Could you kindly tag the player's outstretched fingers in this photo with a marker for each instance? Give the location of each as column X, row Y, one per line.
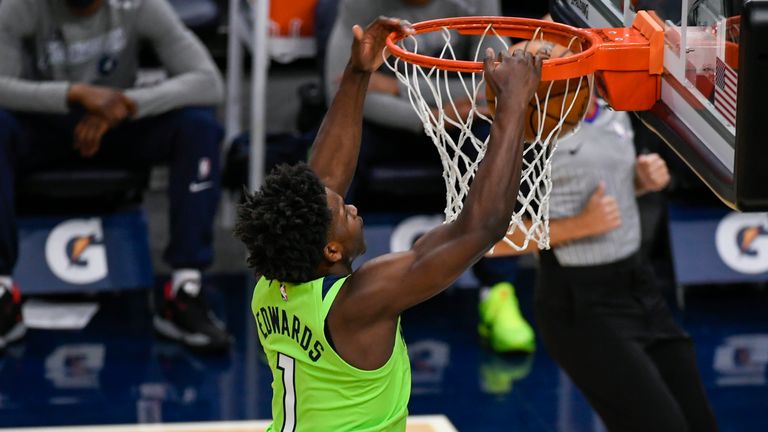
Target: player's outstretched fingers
column 368, row 45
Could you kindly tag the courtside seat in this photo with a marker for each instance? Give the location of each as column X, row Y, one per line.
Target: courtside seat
column 82, row 229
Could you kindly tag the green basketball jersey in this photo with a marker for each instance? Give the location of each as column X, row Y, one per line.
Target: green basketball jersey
column 313, row 389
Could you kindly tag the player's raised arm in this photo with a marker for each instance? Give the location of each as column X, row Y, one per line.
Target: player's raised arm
column 335, row 150
column 395, row 282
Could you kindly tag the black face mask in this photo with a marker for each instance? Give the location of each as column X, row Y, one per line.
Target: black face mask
column 80, row 4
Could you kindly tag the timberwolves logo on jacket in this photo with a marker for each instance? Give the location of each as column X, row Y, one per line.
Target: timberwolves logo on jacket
column 742, row 242
column 75, row 251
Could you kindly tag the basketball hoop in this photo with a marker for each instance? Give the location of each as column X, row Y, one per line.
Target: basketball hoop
column 626, row 61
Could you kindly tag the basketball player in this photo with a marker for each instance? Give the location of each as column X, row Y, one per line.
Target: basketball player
column 332, row 336
column 393, row 135
column 600, row 314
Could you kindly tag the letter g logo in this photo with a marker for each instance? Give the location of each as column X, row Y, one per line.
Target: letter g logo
column 75, row 251
column 742, row 242
column 409, row 230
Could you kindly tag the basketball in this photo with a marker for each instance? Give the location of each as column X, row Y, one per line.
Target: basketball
column 561, row 94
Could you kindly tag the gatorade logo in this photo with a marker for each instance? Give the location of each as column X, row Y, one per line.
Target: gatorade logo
column 742, row 242
column 75, row 251
column 409, row 230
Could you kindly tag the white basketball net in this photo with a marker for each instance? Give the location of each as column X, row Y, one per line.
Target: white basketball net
column 461, row 150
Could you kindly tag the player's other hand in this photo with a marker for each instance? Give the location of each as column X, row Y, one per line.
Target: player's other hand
column 515, row 79
column 110, row 104
column 601, row 214
column 651, row 173
column 368, row 44
column 89, row 133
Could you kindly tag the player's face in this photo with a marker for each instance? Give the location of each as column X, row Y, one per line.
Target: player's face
column 346, row 226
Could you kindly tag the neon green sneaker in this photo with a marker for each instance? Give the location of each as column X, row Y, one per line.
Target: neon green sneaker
column 501, row 323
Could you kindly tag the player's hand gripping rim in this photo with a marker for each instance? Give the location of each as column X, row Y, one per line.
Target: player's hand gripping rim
column 368, row 44
column 514, row 78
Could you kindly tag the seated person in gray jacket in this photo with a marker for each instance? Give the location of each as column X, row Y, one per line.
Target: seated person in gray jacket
column 68, row 98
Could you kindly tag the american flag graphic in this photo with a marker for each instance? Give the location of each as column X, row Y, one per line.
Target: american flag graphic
column 725, row 91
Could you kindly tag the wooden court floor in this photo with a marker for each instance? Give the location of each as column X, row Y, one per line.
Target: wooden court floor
column 436, row 423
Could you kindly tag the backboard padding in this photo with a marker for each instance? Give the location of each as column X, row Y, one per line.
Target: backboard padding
column 715, row 75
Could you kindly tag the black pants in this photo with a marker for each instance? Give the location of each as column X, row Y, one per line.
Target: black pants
column 609, row 328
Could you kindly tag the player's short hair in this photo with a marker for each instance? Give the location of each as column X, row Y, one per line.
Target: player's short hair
column 284, row 225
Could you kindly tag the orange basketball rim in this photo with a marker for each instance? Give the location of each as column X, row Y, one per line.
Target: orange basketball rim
column 628, row 62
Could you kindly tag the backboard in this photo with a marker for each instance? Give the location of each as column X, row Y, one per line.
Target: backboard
column 715, row 78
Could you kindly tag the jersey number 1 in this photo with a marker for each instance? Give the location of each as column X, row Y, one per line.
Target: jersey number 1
column 287, row 365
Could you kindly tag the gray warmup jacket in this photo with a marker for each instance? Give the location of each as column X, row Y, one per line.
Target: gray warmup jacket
column 44, row 48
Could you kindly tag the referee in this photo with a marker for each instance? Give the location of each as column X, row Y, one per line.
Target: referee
column 599, row 312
